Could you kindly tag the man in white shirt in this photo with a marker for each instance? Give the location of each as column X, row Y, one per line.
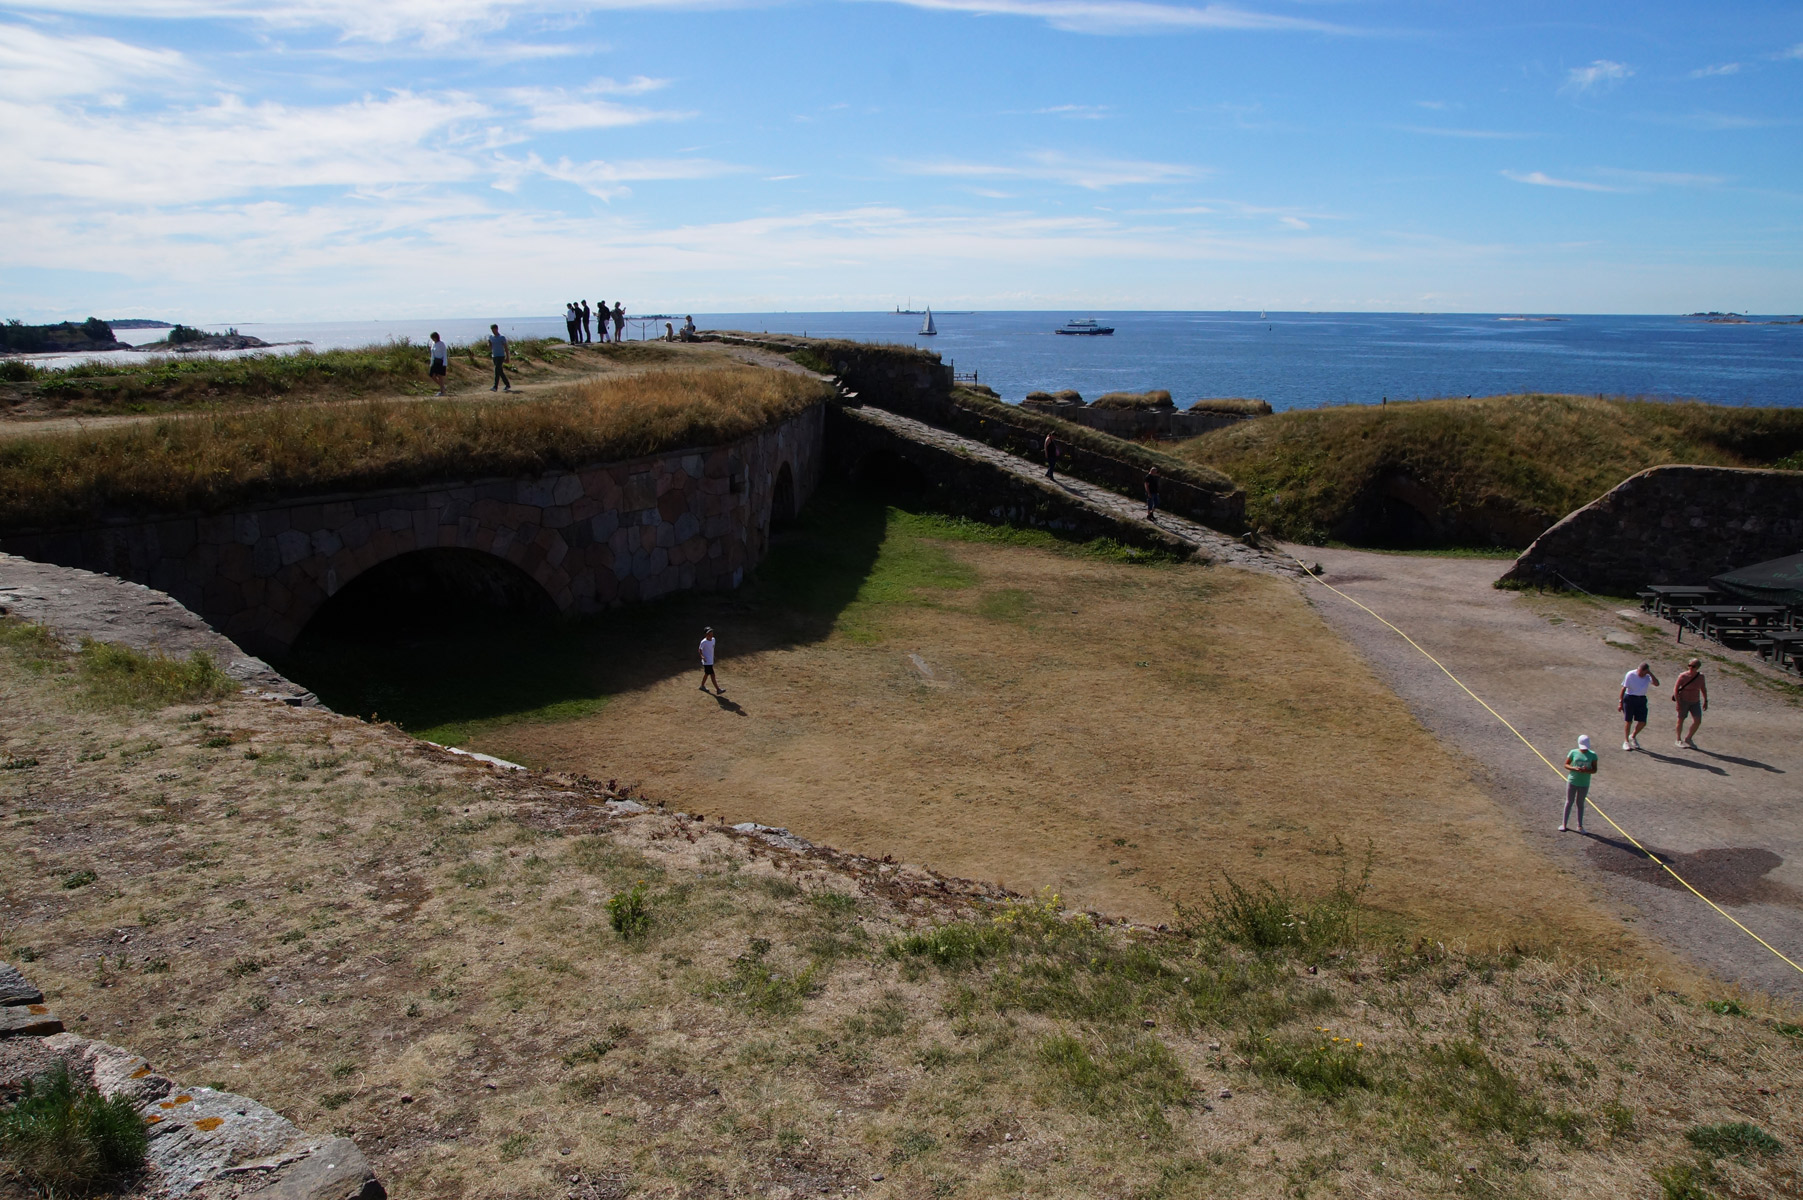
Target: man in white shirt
column 441, row 361
column 1632, row 704
column 707, row 662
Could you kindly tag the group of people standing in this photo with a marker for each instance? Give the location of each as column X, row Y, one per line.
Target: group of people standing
column 1690, row 693
column 577, row 316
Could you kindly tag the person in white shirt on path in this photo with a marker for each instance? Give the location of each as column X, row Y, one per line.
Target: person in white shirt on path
column 1632, row 704
column 441, row 362
column 707, row 662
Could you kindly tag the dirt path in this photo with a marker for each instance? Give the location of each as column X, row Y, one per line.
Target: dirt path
column 569, row 366
column 1725, row 814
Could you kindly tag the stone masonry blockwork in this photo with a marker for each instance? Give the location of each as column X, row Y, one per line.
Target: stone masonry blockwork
column 601, row 535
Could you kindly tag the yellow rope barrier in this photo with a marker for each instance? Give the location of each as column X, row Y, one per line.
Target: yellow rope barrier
column 1555, row 770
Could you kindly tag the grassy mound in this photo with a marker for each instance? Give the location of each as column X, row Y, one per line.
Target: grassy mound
column 1235, row 405
column 126, row 384
column 1154, row 401
column 1069, row 398
column 1491, row 471
column 182, row 464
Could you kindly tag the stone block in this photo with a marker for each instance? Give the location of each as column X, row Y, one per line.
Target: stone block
column 265, row 557
column 339, row 513
column 355, row 533
column 567, row 490
column 687, row 526
column 326, row 543
column 557, row 552
column 556, row 517
column 15, row 988
column 28, row 1020
column 692, row 465
column 292, row 546
column 394, row 519
column 176, row 538
column 538, row 493
column 246, row 529
column 334, row 1171
column 640, row 491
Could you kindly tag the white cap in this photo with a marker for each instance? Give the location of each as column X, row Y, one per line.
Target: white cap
column 1583, row 741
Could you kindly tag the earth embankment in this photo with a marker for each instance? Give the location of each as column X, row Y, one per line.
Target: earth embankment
column 1492, row 471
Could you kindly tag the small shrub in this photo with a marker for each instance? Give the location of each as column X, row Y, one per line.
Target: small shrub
column 336, row 1100
column 1326, row 1065
column 1126, row 1077
column 760, row 987
column 1727, row 1008
column 244, row 967
column 1482, row 1096
column 67, row 1140
column 1682, row 1182
column 1737, row 1140
column 954, row 945
column 1267, row 917
column 629, row 913
column 116, row 674
column 78, row 879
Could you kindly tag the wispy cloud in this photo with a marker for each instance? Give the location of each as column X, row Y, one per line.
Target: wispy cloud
column 1501, row 135
column 36, row 65
column 1795, row 51
column 1130, row 16
column 1598, row 76
column 585, row 108
column 1074, row 112
column 1716, row 69
column 1433, row 105
column 609, row 180
column 1541, row 179
column 1054, row 166
column 1714, row 121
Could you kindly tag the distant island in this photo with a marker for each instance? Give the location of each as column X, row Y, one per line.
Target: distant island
column 185, row 339
column 1728, row 318
column 139, row 323
column 16, row 337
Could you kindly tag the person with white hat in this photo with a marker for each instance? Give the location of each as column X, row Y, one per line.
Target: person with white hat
column 1580, row 767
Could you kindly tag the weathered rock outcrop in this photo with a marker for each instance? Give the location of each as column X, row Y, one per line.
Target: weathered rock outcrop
column 1669, row 525
column 91, row 334
column 204, row 1144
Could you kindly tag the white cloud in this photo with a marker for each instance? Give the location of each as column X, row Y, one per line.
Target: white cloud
column 561, row 109
column 1717, row 69
column 35, row 65
column 1540, row 179
column 1598, row 76
column 608, row 180
column 442, row 22
column 1052, row 166
column 1661, row 178
column 1795, row 51
column 1074, row 112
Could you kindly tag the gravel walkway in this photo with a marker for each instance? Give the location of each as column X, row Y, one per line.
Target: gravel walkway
column 1724, row 815
column 1216, row 547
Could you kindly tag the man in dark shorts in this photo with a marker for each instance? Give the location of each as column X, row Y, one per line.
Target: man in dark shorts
column 1691, row 694
column 1632, row 704
column 1051, row 456
column 707, row 662
column 1152, row 494
column 497, row 350
column 441, row 361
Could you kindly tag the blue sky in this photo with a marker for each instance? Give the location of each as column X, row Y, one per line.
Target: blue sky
column 211, row 160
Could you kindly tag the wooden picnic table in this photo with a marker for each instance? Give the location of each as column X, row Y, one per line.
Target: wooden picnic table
column 1716, row 620
column 1662, row 598
column 1776, row 645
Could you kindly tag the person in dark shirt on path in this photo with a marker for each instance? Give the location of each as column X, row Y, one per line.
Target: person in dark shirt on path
column 583, row 320
column 1051, row 456
column 1152, row 494
column 601, row 315
column 497, row 350
column 619, row 320
column 1690, row 693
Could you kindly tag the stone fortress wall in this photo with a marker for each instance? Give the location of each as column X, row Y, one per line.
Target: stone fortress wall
column 1676, row 524
column 608, row 534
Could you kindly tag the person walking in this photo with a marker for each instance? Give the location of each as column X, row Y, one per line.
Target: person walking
column 497, row 350
column 707, row 662
column 1580, row 768
column 1152, row 494
column 601, row 315
column 619, row 320
column 1632, row 704
column 569, row 321
column 1051, row 456
column 1690, row 692
column 440, row 367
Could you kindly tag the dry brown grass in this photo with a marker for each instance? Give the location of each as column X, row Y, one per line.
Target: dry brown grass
column 1122, row 734
column 181, row 464
column 1135, row 401
column 1231, row 404
column 328, row 918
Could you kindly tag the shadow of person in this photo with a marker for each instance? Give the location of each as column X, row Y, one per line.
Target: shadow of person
column 1744, row 762
column 1682, row 762
column 728, row 705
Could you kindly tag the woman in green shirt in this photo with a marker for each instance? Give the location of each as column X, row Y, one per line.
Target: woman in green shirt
column 1580, row 766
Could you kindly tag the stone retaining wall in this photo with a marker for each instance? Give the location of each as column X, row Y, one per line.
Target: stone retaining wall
column 1166, row 425
column 609, row 534
column 1670, row 525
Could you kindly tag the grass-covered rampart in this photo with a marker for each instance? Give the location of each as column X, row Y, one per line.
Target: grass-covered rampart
column 212, row 462
column 1491, row 471
column 128, row 384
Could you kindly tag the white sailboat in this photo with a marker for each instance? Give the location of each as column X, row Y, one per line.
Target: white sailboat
column 926, row 326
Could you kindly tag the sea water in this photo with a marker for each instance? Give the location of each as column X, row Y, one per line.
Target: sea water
column 1291, row 360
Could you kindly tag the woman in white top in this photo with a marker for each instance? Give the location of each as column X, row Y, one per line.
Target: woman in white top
column 441, row 362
